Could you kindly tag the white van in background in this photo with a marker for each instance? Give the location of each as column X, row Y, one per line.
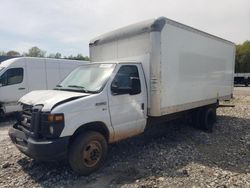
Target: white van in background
column 21, row 75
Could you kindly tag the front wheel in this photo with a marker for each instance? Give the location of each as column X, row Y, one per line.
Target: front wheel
column 87, row 152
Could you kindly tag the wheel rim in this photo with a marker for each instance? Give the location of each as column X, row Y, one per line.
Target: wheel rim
column 92, row 153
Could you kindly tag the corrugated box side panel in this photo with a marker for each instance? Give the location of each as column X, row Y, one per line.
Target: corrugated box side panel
column 195, row 69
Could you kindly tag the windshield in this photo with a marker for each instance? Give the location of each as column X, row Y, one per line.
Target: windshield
column 88, row 78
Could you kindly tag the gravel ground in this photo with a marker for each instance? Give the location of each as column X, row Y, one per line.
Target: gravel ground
column 172, row 155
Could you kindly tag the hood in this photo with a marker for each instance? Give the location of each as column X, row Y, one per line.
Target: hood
column 49, row 98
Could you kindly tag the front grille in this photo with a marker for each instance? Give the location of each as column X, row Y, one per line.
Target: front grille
column 27, row 109
column 30, row 119
column 26, row 116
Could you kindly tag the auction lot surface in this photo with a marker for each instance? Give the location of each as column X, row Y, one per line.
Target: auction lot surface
column 171, row 155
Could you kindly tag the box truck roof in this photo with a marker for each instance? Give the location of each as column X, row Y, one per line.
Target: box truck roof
column 145, row 27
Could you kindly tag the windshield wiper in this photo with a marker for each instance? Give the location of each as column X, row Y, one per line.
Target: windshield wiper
column 80, row 87
column 76, row 86
column 58, row 87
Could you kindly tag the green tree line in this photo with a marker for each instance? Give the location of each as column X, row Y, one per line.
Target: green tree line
column 37, row 52
column 242, row 56
column 242, row 59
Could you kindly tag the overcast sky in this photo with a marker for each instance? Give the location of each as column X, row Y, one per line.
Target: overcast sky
column 66, row 26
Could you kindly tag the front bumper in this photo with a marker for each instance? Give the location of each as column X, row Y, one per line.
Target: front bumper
column 44, row 150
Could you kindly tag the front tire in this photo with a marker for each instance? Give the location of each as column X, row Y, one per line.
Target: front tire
column 87, row 152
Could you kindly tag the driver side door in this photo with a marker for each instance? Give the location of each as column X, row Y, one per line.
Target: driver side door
column 127, row 111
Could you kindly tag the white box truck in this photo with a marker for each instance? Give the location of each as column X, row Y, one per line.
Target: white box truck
column 141, row 74
column 21, row 75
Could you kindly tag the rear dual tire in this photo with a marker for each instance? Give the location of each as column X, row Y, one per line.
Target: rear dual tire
column 208, row 119
column 204, row 118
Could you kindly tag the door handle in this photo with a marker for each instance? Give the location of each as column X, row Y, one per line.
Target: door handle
column 100, row 103
column 142, row 106
column 21, row 88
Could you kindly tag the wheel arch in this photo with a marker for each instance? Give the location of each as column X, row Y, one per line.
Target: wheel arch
column 97, row 126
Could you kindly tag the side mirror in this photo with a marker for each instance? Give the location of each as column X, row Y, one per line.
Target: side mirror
column 119, row 90
column 135, row 86
column 134, row 89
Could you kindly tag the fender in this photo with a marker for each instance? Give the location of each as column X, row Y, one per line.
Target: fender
column 93, row 126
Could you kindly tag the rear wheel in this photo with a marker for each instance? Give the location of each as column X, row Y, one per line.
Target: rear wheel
column 196, row 116
column 87, row 152
column 208, row 119
column 204, row 118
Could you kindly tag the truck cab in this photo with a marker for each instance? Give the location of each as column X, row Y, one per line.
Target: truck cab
column 97, row 104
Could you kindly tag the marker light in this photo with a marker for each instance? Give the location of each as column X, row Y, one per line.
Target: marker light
column 55, row 117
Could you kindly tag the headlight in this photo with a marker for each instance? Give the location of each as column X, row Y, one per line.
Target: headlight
column 52, row 125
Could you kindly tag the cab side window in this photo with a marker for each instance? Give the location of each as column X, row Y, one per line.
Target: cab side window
column 12, row 76
column 123, row 78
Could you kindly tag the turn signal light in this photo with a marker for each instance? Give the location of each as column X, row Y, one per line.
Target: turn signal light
column 55, row 117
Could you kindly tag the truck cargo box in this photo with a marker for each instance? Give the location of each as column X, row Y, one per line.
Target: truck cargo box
column 185, row 68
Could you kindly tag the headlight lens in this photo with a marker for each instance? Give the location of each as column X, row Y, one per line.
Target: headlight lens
column 52, row 125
